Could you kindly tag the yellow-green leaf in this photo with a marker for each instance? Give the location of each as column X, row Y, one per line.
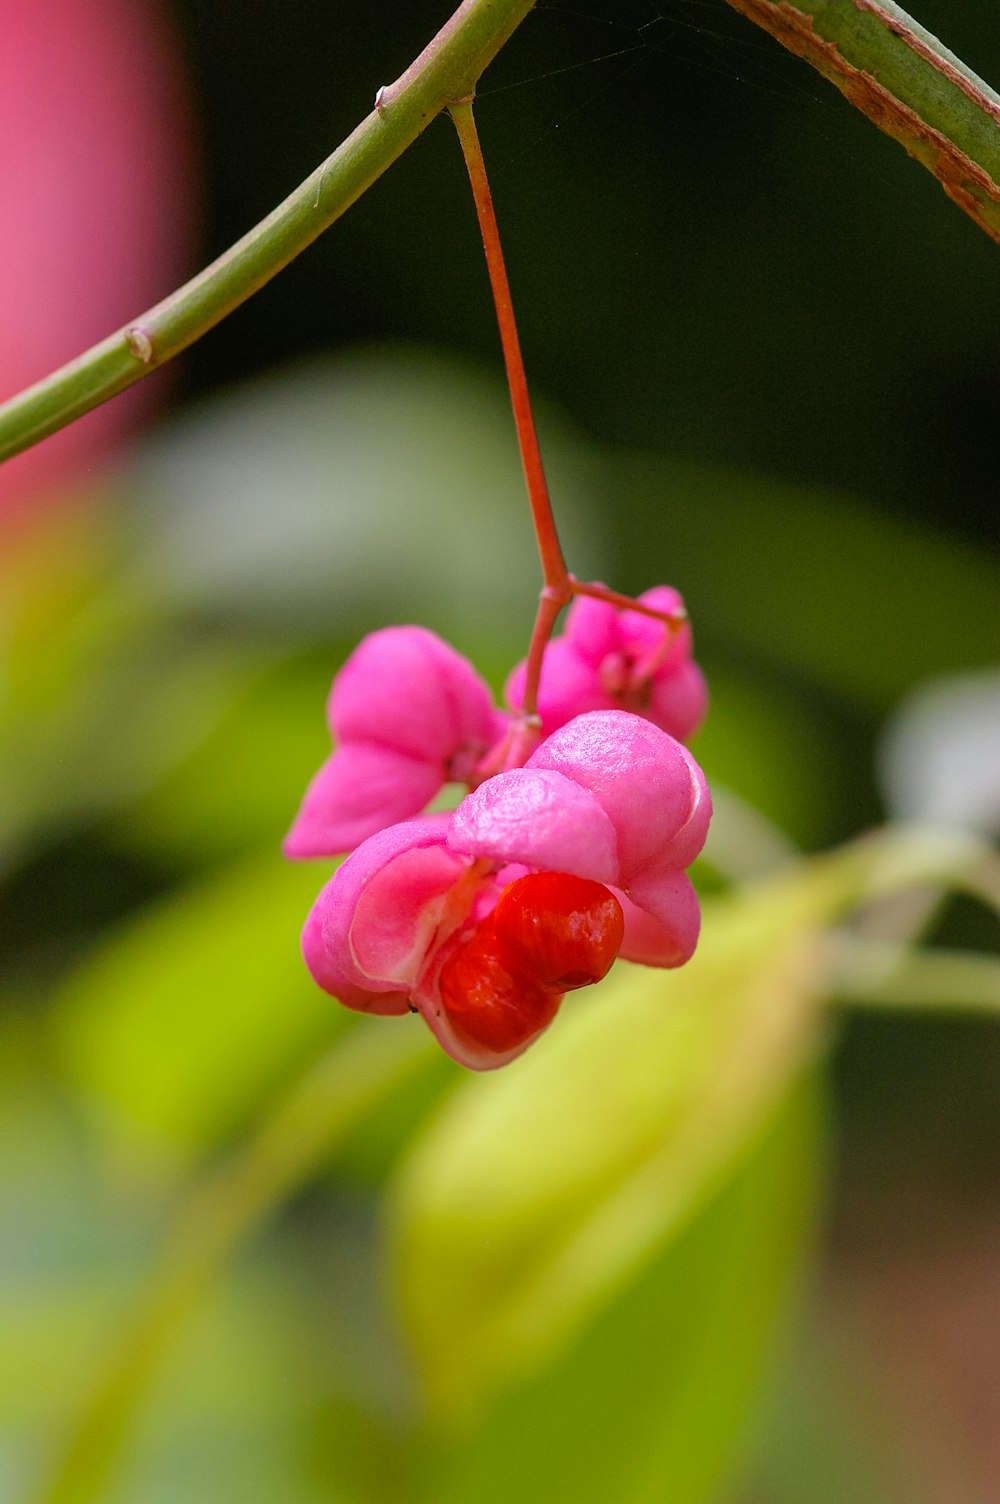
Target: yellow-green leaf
column 541, row 1190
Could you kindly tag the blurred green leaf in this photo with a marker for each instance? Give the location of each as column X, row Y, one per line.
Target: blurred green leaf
column 813, row 580
column 888, row 974
column 777, row 752
column 100, row 697
column 652, row 1399
column 539, row 1192
column 239, row 787
column 824, row 1439
column 383, row 481
column 49, row 580
column 179, row 1024
column 222, row 1207
column 540, row 1198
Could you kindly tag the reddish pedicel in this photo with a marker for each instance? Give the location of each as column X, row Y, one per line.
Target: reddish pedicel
column 549, row 933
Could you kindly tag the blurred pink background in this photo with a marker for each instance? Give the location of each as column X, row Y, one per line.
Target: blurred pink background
column 96, row 182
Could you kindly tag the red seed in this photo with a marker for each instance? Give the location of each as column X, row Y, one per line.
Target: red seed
column 488, row 998
column 563, row 931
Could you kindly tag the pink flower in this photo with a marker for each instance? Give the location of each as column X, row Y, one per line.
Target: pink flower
column 409, row 714
column 608, row 657
column 482, row 920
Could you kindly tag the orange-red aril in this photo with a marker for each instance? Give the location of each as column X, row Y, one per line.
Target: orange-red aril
column 548, row 934
column 565, row 931
column 490, row 1001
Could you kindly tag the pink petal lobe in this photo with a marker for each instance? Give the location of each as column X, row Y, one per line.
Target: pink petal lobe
column 359, row 790
column 650, row 787
column 592, row 626
column 399, row 911
column 687, row 843
column 334, row 978
column 666, row 940
column 646, row 633
column 663, row 919
column 679, row 701
column 405, row 688
column 540, row 818
column 326, row 939
column 569, row 686
column 513, row 690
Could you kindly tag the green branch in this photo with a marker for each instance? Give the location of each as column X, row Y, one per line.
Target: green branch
column 883, row 974
column 883, row 61
column 905, row 81
column 448, row 69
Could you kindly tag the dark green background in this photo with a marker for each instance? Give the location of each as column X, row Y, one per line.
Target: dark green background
column 712, row 254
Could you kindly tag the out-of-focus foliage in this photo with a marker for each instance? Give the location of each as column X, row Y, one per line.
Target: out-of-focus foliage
column 939, row 761
column 647, row 1397
column 184, row 1021
column 319, row 496
column 542, row 1192
column 761, row 336
column 634, row 1187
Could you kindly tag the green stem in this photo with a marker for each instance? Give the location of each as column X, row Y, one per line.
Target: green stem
column 904, row 80
column 879, row 57
column 447, row 69
column 881, row 974
column 220, row 1211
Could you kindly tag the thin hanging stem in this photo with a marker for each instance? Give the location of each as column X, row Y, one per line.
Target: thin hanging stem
column 550, row 551
column 557, row 590
column 559, row 586
column 879, row 57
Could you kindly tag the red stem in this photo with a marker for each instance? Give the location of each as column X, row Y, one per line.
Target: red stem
column 558, row 589
column 560, row 586
column 553, row 564
column 674, row 620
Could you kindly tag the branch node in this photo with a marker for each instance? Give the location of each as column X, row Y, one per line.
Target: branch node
column 140, row 342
